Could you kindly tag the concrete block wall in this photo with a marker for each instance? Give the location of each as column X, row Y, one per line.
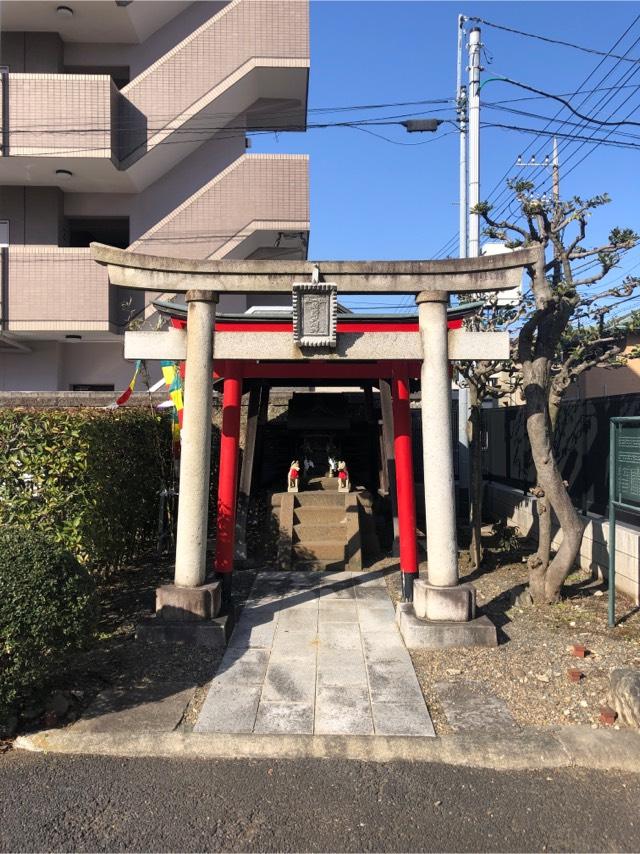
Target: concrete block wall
column 505, row 502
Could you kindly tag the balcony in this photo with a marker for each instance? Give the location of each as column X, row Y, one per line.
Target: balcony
column 52, row 289
column 55, row 121
column 258, row 206
column 247, row 66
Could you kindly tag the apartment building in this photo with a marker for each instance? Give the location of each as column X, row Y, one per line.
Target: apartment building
column 126, row 122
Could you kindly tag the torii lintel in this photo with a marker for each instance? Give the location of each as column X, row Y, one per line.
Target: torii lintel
column 179, row 275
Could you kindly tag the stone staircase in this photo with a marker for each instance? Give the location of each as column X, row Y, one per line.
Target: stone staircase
column 319, row 528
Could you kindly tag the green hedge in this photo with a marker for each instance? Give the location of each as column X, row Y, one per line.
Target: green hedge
column 90, row 479
column 47, row 610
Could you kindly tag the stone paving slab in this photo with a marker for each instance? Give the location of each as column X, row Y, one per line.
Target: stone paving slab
column 470, row 707
column 316, row 654
column 154, row 708
column 411, row 718
column 229, row 708
column 286, row 718
column 343, row 710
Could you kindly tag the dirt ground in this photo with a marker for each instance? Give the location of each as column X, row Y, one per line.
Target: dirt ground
column 528, row 670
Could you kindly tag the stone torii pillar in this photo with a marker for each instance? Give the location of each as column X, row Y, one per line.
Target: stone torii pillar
column 441, row 597
column 443, row 611
column 189, row 600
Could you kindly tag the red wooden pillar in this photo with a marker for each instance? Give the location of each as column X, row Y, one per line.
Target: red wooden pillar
column 404, row 479
column 228, row 476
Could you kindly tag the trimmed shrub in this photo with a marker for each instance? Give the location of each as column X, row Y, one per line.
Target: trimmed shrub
column 89, row 478
column 48, row 607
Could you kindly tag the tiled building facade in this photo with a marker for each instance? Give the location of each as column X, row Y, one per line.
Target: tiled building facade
column 126, row 123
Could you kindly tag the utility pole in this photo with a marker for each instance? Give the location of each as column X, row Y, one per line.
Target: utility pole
column 473, row 414
column 461, row 103
column 463, row 390
column 474, row 140
column 555, row 169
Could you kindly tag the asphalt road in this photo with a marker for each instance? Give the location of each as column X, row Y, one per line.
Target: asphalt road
column 66, row 803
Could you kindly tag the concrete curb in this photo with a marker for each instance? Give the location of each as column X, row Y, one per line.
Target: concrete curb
column 562, row 747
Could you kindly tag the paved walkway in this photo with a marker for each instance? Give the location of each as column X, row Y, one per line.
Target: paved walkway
column 316, row 653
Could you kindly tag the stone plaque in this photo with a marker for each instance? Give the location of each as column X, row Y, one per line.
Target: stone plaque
column 314, row 314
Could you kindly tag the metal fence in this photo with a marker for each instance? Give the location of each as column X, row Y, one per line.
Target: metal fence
column 581, row 444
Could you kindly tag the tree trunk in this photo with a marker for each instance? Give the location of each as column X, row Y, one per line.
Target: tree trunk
column 545, row 582
column 475, row 466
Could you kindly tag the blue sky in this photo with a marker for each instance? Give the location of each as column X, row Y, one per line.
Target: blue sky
column 379, row 200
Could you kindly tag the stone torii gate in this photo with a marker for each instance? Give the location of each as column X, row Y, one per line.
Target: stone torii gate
column 443, row 610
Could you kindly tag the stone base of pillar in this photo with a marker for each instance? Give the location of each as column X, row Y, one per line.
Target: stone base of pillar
column 444, row 604
column 188, row 604
column 213, row 634
column 188, row 615
column 424, row 634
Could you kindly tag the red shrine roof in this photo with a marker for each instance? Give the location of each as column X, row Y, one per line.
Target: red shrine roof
column 279, row 321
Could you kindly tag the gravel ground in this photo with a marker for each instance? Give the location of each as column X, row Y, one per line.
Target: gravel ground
column 528, row 670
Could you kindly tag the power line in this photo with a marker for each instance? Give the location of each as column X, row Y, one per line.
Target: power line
column 551, row 40
column 583, row 101
column 601, row 141
column 627, row 75
column 588, row 119
column 500, row 183
column 551, row 133
column 548, row 119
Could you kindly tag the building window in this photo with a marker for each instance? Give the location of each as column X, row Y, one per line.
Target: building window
column 91, row 387
column 118, row 73
column 112, row 230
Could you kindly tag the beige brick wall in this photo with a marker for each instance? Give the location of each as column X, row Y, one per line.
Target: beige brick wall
column 56, row 289
column 54, row 115
column 243, row 30
column 63, row 289
column 267, row 188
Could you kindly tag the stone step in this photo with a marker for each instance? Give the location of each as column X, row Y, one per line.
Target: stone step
column 319, row 531
column 320, row 498
column 321, row 483
column 313, row 515
column 319, row 550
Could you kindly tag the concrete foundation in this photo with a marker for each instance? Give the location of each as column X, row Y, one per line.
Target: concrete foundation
column 188, row 604
column 214, row 633
column 422, row 634
column 444, row 604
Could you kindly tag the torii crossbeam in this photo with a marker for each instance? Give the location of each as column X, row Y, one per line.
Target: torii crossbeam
column 443, row 611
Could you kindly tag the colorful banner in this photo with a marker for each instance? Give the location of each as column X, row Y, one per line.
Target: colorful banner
column 174, row 384
column 126, row 394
